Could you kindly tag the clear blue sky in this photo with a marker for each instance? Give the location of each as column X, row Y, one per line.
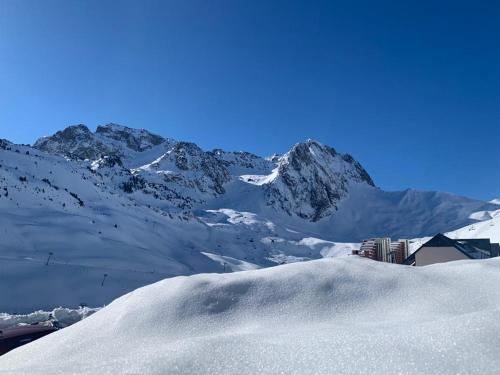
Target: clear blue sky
column 409, row 88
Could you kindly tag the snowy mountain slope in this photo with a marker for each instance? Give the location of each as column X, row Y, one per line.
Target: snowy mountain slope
column 187, row 163
column 308, row 181
column 142, row 208
column 332, row 316
column 74, row 211
column 179, row 174
column 311, row 181
column 370, row 212
column 65, row 209
column 489, row 228
column 365, row 212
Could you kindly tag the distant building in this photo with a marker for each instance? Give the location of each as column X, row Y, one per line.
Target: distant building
column 441, row 249
column 384, row 250
column 399, row 251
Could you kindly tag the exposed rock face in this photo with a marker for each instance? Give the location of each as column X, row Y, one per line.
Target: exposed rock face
column 135, row 139
column 204, row 162
column 361, row 172
column 107, row 162
column 78, row 142
column 240, row 162
column 74, row 142
column 309, row 181
column 4, row 144
column 188, row 163
column 312, row 178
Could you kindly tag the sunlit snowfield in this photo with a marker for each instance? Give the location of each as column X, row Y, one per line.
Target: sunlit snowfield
column 331, row 316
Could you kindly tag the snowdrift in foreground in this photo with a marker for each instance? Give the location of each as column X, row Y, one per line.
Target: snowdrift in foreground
column 330, row 316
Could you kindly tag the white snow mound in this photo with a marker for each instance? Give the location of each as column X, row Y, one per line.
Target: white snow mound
column 332, row 316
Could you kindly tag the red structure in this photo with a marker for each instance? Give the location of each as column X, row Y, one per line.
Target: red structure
column 12, row 338
column 400, row 251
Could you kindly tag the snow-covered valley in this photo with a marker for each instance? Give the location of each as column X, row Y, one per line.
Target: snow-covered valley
column 89, row 216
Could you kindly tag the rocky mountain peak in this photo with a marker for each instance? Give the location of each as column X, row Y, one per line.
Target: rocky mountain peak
column 308, row 181
column 242, row 162
column 69, row 134
column 76, row 142
column 135, row 139
column 189, row 157
column 305, row 153
column 4, row 144
column 312, row 178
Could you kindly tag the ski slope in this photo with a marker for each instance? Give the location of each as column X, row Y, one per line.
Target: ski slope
column 333, row 316
column 489, row 227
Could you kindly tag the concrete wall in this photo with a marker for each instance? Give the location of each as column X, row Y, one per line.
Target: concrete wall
column 431, row 255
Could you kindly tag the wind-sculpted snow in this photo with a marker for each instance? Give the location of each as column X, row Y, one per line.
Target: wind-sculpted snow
column 332, row 316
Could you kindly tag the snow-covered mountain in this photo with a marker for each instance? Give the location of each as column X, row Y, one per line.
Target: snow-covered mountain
column 78, row 142
column 309, row 181
column 137, row 207
column 312, row 182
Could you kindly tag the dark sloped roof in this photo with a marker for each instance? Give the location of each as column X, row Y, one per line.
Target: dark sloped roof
column 472, row 248
column 472, row 251
column 480, row 243
column 495, row 250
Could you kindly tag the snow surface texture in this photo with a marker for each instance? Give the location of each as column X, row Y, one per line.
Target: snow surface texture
column 88, row 216
column 332, row 316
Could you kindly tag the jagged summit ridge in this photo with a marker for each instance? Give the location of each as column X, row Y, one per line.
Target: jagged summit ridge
column 80, row 143
column 312, row 178
column 75, row 142
column 188, row 163
column 135, row 139
column 309, row 181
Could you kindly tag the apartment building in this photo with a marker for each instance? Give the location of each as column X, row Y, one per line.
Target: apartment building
column 384, row 250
